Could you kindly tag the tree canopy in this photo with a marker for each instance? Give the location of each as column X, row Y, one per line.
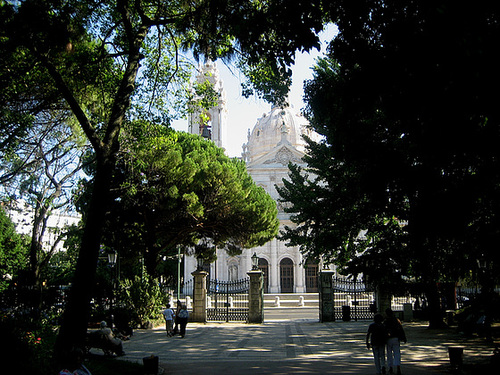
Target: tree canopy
column 404, row 100
column 174, row 188
column 40, row 174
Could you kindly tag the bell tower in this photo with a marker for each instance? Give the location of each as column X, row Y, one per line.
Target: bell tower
column 210, row 123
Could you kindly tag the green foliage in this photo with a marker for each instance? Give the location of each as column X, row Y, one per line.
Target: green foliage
column 25, row 336
column 37, row 178
column 143, row 297
column 13, row 251
column 262, row 35
column 176, row 188
column 163, row 92
column 266, row 81
column 203, row 96
column 60, row 269
column 90, row 59
column 410, row 136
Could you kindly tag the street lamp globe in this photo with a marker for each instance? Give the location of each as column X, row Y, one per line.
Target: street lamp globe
column 255, row 262
column 112, row 257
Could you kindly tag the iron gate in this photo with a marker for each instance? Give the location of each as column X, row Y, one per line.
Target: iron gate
column 352, row 299
column 228, row 300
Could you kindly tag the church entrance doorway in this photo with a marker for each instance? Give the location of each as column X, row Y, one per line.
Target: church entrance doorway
column 286, row 275
column 264, row 267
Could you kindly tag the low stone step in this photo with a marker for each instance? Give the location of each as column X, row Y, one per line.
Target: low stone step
column 291, row 306
column 290, row 296
column 291, row 300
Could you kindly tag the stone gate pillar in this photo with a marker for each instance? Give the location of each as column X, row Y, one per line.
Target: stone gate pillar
column 326, row 297
column 256, row 297
column 199, row 313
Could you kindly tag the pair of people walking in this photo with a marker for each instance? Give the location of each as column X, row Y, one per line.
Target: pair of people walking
column 386, row 335
column 180, row 317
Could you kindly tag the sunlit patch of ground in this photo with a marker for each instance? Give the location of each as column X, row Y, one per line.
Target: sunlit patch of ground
column 293, row 346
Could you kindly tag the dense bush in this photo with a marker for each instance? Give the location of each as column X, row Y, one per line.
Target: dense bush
column 27, row 341
column 143, row 298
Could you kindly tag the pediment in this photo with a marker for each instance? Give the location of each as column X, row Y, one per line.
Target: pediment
column 281, row 155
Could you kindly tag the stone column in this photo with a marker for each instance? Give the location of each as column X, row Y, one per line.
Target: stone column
column 256, row 297
column 199, row 313
column 273, row 267
column 300, row 277
column 326, row 300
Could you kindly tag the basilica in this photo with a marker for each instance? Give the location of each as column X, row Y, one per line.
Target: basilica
column 274, row 141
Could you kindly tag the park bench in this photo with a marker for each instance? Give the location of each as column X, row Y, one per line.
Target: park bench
column 98, row 340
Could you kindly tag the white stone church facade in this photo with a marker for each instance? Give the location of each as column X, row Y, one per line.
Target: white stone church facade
column 275, row 140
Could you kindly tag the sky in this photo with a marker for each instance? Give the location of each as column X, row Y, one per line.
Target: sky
column 243, row 113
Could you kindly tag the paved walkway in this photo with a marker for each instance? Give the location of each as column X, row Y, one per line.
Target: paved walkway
column 293, row 346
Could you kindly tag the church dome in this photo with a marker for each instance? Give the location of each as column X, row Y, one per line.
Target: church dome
column 278, row 127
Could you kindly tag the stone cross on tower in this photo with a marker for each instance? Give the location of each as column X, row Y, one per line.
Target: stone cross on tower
column 210, row 123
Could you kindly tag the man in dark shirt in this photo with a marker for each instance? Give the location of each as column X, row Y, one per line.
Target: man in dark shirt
column 376, row 339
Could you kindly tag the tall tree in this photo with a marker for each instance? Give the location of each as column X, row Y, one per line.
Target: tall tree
column 39, row 175
column 84, row 45
column 403, row 100
column 177, row 188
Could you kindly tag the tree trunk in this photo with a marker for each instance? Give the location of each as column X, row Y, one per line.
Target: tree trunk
column 39, row 226
column 77, row 312
column 434, row 306
column 424, row 241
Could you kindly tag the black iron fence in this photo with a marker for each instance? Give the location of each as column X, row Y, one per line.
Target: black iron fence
column 353, row 300
column 186, row 289
column 228, row 300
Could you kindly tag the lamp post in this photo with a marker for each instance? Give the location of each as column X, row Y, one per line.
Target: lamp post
column 487, row 289
column 179, row 259
column 112, row 256
column 199, row 262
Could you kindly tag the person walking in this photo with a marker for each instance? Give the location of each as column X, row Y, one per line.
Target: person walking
column 168, row 313
column 376, row 339
column 396, row 335
column 176, row 320
column 183, row 319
